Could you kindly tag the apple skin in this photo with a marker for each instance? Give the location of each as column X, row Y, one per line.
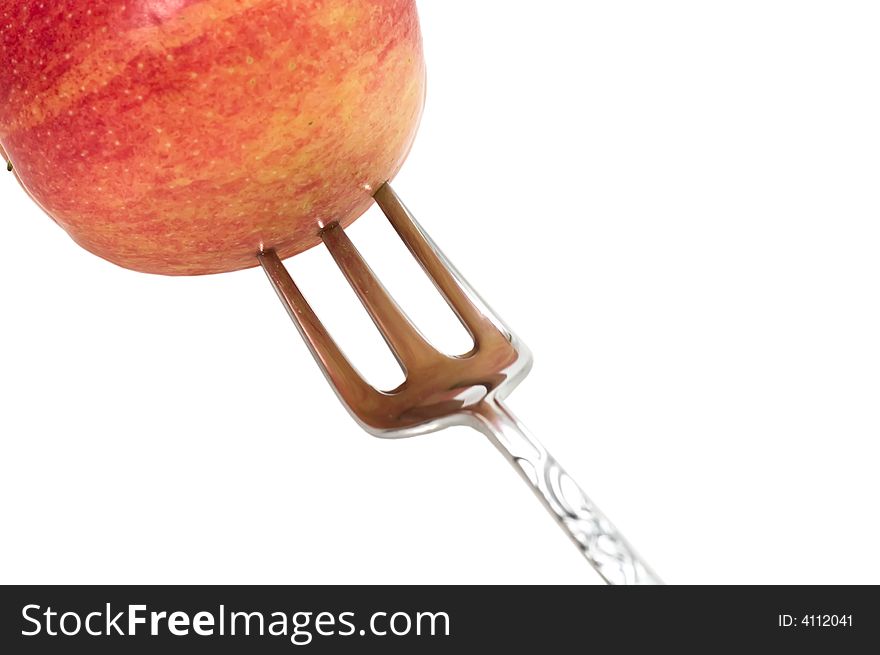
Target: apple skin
column 181, row 137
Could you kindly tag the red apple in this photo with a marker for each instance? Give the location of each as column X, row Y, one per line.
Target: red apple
column 183, row 136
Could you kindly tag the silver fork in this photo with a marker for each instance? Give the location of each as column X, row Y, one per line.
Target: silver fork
column 442, row 390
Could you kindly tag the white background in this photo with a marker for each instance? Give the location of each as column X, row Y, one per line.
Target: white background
column 675, row 205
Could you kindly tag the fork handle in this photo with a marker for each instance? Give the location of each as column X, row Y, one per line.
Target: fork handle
column 593, row 534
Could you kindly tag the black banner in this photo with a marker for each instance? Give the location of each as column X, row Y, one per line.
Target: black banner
column 432, row 619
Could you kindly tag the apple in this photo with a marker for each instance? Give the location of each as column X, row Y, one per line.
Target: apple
column 182, row 137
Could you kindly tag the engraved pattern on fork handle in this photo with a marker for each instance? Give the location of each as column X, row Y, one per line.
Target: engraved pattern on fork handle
column 595, row 536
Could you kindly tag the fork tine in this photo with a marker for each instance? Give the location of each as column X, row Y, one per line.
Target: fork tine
column 406, row 342
column 344, row 378
column 470, row 308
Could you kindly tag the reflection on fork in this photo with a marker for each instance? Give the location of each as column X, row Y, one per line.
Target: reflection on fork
column 442, row 390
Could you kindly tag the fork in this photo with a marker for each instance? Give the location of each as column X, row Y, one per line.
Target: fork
column 441, row 390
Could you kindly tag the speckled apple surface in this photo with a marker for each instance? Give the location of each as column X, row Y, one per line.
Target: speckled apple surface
column 182, row 136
